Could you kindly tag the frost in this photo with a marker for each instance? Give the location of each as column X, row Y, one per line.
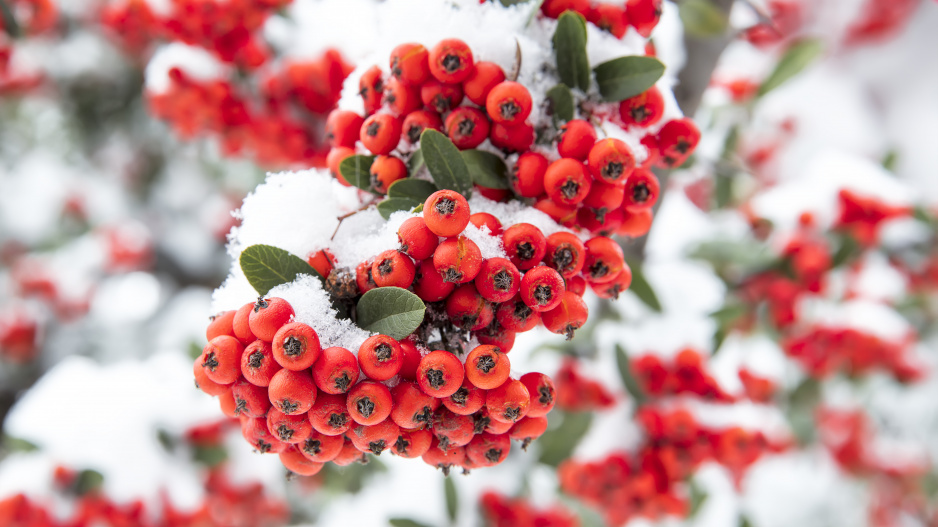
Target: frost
column 312, row 306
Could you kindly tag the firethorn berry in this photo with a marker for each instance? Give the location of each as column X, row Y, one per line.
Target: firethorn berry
column 321, row 261
column 568, row 316
column 577, row 138
column 509, row 402
column 459, row 260
column 369, row 402
column 349, row 454
column 515, row 315
column 381, row 133
column 467, row 400
column 412, row 443
column 375, row 438
column 443, row 459
column 528, row 429
column 466, row 308
column 498, row 280
column 609, row 17
column 418, row 121
column 240, row 325
column 542, row 391
column 441, row 97
column 604, row 197
column 384, row 171
column 635, row 223
column 565, row 253
column 335, row 158
column 440, row 374
column 600, row 221
column 496, row 335
column 329, row 415
column 567, row 182
column 293, row 459
column 410, row 64
column 542, row 289
column 527, row 176
column 220, row 324
column 205, row 384
column 343, row 127
column 371, row 89
column 555, row 8
column 451, row 429
column 221, row 359
column 400, row 98
column 645, row 109
column 525, row 245
column 451, row 61
column 487, row 450
column 320, row 447
column 292, row 392
column 565, row 215
column 641, row 190
column 604, row 260
column 676, row 140
column 364, row 278
column 429, row 283
column 446, row 213
column 484, row 423
column 380, row 357
column 336, row 370
column 268, row 315
column 288, row 428
column 249, row 400
column 494, row 194
column 226, row 402
column 255, row 432
column 576, row 285
column 484, row 77
column 508, row 103
column 487, row 367
column 393, row 269
column 643, row 15
column 410, row 360
column 296, row 346
column 613, row 289
column 484, row 219
column 412, row 408
column 611, row 161
column 512, row 138
column 466, row 127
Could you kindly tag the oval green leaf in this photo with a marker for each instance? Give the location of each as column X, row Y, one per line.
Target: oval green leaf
column 569, row 40
column 417, row 189
column 486, row 169
column 558, row 444
column 795, row 59
column 446, row 165
column 8, row 20
column 266, row 267
column 357, row 171
column 392, row 205
column 628, row 380
column 642, row 288
column 405, row 522
column 626, row 77
column 415, row 163
column 701, row 18
column 390, row 311
column 561, row 102
column 452, row 499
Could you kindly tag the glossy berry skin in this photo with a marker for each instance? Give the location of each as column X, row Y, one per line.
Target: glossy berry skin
column 603, row 197
column 336, row 370
column 676, row 140
column 484, row 219
column 412, row 408
column 635, row 223
column 643, row 110
column 380, row 133
column 220, row 324
column 604, row 260
column 292, row 392
column 466, row 308
column 512, row 138
column 467, row 400
column 384, row 171
column 611, row 161
column 296, row 346
column 509, row 402
column 446, row 213
column 565, row 253
column 417, row 121
column 329, row 415
column 555, row 8
column 643, row 15
column 320, row 447
column 487, row 367
column 440, row 97
column 577, row 138
column 250, row 400
column 288, row 428
column 568, row 316
column 451, row 61
column 466, row 127
column 525, row 245
column 487, row 450
column 380, row 357
column 343, row 128
column 527, row 176
column 440, row 374
column 295, row 462
column 221, row 359
column 375, row 438
column 412, row 443
column 411, row 359
column 567, row 182
column 498, row 280
column 268, row 315
column 542, row 288
column 616, row 286
column 577, row 285
column 393, row 269
column 641, row 191
column 458, row 260
column 484, row 77
column 240, row 325
column 515, row 315
column 256, row 434
column 508, row 103
column 369, row 402
column 528, row 429
column 543, row 393
column 565, row 215
column 371, row 89
column 322, row 261
column 401, row 99
column 334, row 160
column 429, row 284
column 417, row 240
column 363, row 277
column 410, row 64
column 609, row 17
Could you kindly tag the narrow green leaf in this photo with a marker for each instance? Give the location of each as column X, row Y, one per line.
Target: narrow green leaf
column 210, row 456
column 405, row 522
column 628, row 380
column 744, row 521
column 703, row 19
column 558, row 444
column 570, row 50
column 561, row 102
column 10, row 24
column 88, row 481
column 357, row 171
column 390, row 311
column 890, row 159
column 796, row 58
column 392, row 205
column 417, row 189
column 15, row 444
column 446, row 165
column 415, row 163
column 642, row 289
column 535, row 10
column 452, row 499
column 697, row 499
column 486, row 169
column 266, row 267
column 626, row 77
column 507, row 3
column 848, row 250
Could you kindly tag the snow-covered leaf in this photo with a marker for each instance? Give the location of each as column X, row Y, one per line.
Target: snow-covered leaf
column 390, row 311
column 626, row 77
column 392, row 205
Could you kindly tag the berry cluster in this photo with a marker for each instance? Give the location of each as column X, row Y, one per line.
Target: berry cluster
column 312, row 405
column 685, row 374
column 577, row 392
column 501, row 511
column 643, row 15
column 824, row 350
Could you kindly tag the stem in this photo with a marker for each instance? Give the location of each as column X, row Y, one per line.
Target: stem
column 349, row 215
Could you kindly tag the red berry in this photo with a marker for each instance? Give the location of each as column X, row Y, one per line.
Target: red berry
column 487, row 450
column 296, row 346
column 336, row 370
column 484, row 219
column 380, row 357
column 528, row 429
column 609, row 17
column 512, row 138
column 459, row 260
column 643, row 110
column 515, row 315
column 525, row 245
column 641, row 190
column 446, row 213
column 555, row 8
column 363, row 277
column 603, row 197
column 467, row 127
column 380, row 133
column 267, row 317
column 205, row 384
column 250, row 400
column 240, row 325
column 480, row 82
column 393, row 269
column 452, row 430
column 466, row 308
column 411, row 359
column 429, row 284
column 321, row 261
column 498, row 280
column 567, row 182
column 369, row 402
column 417, row 239
column 565, row 215
column 288, row 428
column 643, row 15
column 320, row 447
column 612, row 161
column 221, row 359
column 542, row 288
column 418, row 121
column 410, row 64
column 220, row 324
column 466, row 400
column 576, row 285
column 614, row 288
column 487, row 367
column 349, row 454
column 508, row 103
column 568, row 316
column 384, row 171
column 509, row 402
column 371, row 89
column 440, row 374
column 451, row 61
column 335, row 158
column 565, row 253
column 256, row 434
column 375, row 438
column 676, row 140
column 542, row 391
column 400, row 98
column 329, row 414
column 604, row 260
column 527, row 177
column 444, row 459
column 496, row 335
column 635, row 223
column 412, row 407
column 412, row 443
column 441, row 97
column 292, row 392
column 293, row 459
column 343, row 128
column 577, row 138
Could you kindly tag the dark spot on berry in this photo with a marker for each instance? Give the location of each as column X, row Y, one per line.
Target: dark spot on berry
column 525, row 251
column 342, row 382
column 682, row 146
column 570, row 189
column 614, row 290
column 288, row 407
column 452, row 275
column 260, row 304
column 210, row 361
column 263, row 446
column 284, row 432
column 508, row 109
column 640, row 193
column 256, row 359
column 485, row 363
column 386, row 267
column 312, row 446
column 444, row 442
column 546, row 395
column 372, row 129
column 563, row 258
column 465, row 127
column 445, row 206
column 401, row 445
column 451, row 63
column 461, row 396
column 543, row 294
column 512, row 413
column 365, row 407
column 599, row 269
column 503, row 280
column 493, row 454
column 480, row 422
column 240, row 405
column 468, row 321
column 389, row 97
column 423, row 416
column 292, row 346
column 376, row 447
column 441, row 104
column 522, row 311
column 435, row 378
column 396, row 68
column 612, row 170
column 413, row 133
column 639, row 113
column 338, row 420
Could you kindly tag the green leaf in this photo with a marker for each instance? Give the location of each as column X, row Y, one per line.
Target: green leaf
column 266, row 267
column 415, row 163
column 641, row 288
column 558, row 444
column 703, row 19
column 392, row 205
column 15, row 444
column 796, row 58
column 697, row 499
column 357, row 171
column 416, row 189
column 452, row 499
column 486, row 169
column 890, row 159
column 390, row 311
column 405, row 522
column 507, row 3
column 570, row 50
column 88, row 481
column 744, row 521
column 628, row 380
column 561, row 102
column 802, row 404
column 10, row 24
column 848, row 250
column 210, row 456
column 447, row 167
column 626, row 77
